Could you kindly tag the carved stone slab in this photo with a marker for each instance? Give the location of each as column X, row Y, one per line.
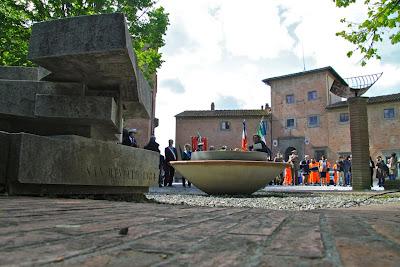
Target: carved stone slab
column 77, row 161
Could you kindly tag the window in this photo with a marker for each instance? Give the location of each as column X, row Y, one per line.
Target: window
column 344, row 117
column 312, row 95
column 225, row 125
column 313, row 121
column 289, row 99
column 290, row 123
column 388, row 113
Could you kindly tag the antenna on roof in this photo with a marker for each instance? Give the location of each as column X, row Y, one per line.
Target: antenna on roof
column 304, row 63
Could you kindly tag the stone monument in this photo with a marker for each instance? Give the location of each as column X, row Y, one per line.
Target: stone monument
column 361, row 177
column 60, row 123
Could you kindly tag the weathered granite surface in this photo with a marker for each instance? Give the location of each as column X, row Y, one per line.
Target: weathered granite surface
column 22, row 73
column 95, row 50
column 76, row 109
column 46, row 108
column 87, row 82
column 4, row 151
column 19, row 73
column 74, row 160
column 17, row 98
column 72, row 232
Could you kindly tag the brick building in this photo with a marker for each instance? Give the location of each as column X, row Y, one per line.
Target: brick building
column 308, row 117
column 304, row 115
column 220, row 127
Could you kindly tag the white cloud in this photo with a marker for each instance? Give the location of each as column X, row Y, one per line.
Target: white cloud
column 224, row 48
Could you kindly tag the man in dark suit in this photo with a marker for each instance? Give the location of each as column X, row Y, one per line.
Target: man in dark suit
column 259, row 145
column 170, row 155
column 130, row 140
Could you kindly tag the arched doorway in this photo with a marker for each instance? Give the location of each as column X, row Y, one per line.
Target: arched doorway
column 288, row 152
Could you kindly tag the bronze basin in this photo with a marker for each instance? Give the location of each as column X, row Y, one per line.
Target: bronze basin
column 232, row 177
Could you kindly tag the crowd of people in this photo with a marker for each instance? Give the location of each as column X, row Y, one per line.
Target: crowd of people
column 311, row 171
column 306, row 171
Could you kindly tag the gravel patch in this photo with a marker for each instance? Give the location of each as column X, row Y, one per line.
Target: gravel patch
column 272, row 200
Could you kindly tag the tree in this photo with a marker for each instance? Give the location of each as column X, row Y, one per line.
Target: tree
column 147, row 25
column 383, row 19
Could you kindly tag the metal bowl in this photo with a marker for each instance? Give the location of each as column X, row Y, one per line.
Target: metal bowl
column 232, row 177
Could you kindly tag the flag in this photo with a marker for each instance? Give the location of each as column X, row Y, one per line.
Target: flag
column 262, row 129
column 199, row 138
column 244, row 137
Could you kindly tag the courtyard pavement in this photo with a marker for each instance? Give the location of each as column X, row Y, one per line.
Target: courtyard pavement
column 178, row 188
column 81, row 232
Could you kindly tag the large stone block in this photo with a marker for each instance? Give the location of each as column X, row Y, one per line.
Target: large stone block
column 18, row 73
column 22, row 73
column 96, row 50
column 17, row 98
column 90, row 110
column 49, row 108
column 68, row 163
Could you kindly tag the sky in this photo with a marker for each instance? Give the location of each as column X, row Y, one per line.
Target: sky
column 220, row 50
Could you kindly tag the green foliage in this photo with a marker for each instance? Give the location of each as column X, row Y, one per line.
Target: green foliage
column 383, row 19
column 147, row 24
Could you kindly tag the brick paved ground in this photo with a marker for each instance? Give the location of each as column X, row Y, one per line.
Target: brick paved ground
column 71, row 232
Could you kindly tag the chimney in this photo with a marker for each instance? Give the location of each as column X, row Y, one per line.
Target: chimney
column 212, row 106
column 262, row 107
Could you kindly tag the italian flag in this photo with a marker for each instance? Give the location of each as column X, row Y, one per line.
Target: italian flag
column 244, row 137
column 262, row 130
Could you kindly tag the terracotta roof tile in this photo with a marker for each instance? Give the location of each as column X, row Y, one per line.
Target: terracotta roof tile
column 224, row 113
column 371, row 100
column 329, row 68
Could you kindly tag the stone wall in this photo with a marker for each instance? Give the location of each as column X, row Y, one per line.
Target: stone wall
column 384, row 134
column 299, row 86
column 332, row 135
column 339, row 137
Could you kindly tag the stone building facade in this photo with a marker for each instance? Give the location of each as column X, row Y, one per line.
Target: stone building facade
column 220, row 127
column 307, row 117
column 304, row 115
column 383, row 126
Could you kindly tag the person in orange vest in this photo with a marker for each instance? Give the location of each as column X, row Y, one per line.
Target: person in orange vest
column 288, row 176
column 313, row 172
column 335, row 174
